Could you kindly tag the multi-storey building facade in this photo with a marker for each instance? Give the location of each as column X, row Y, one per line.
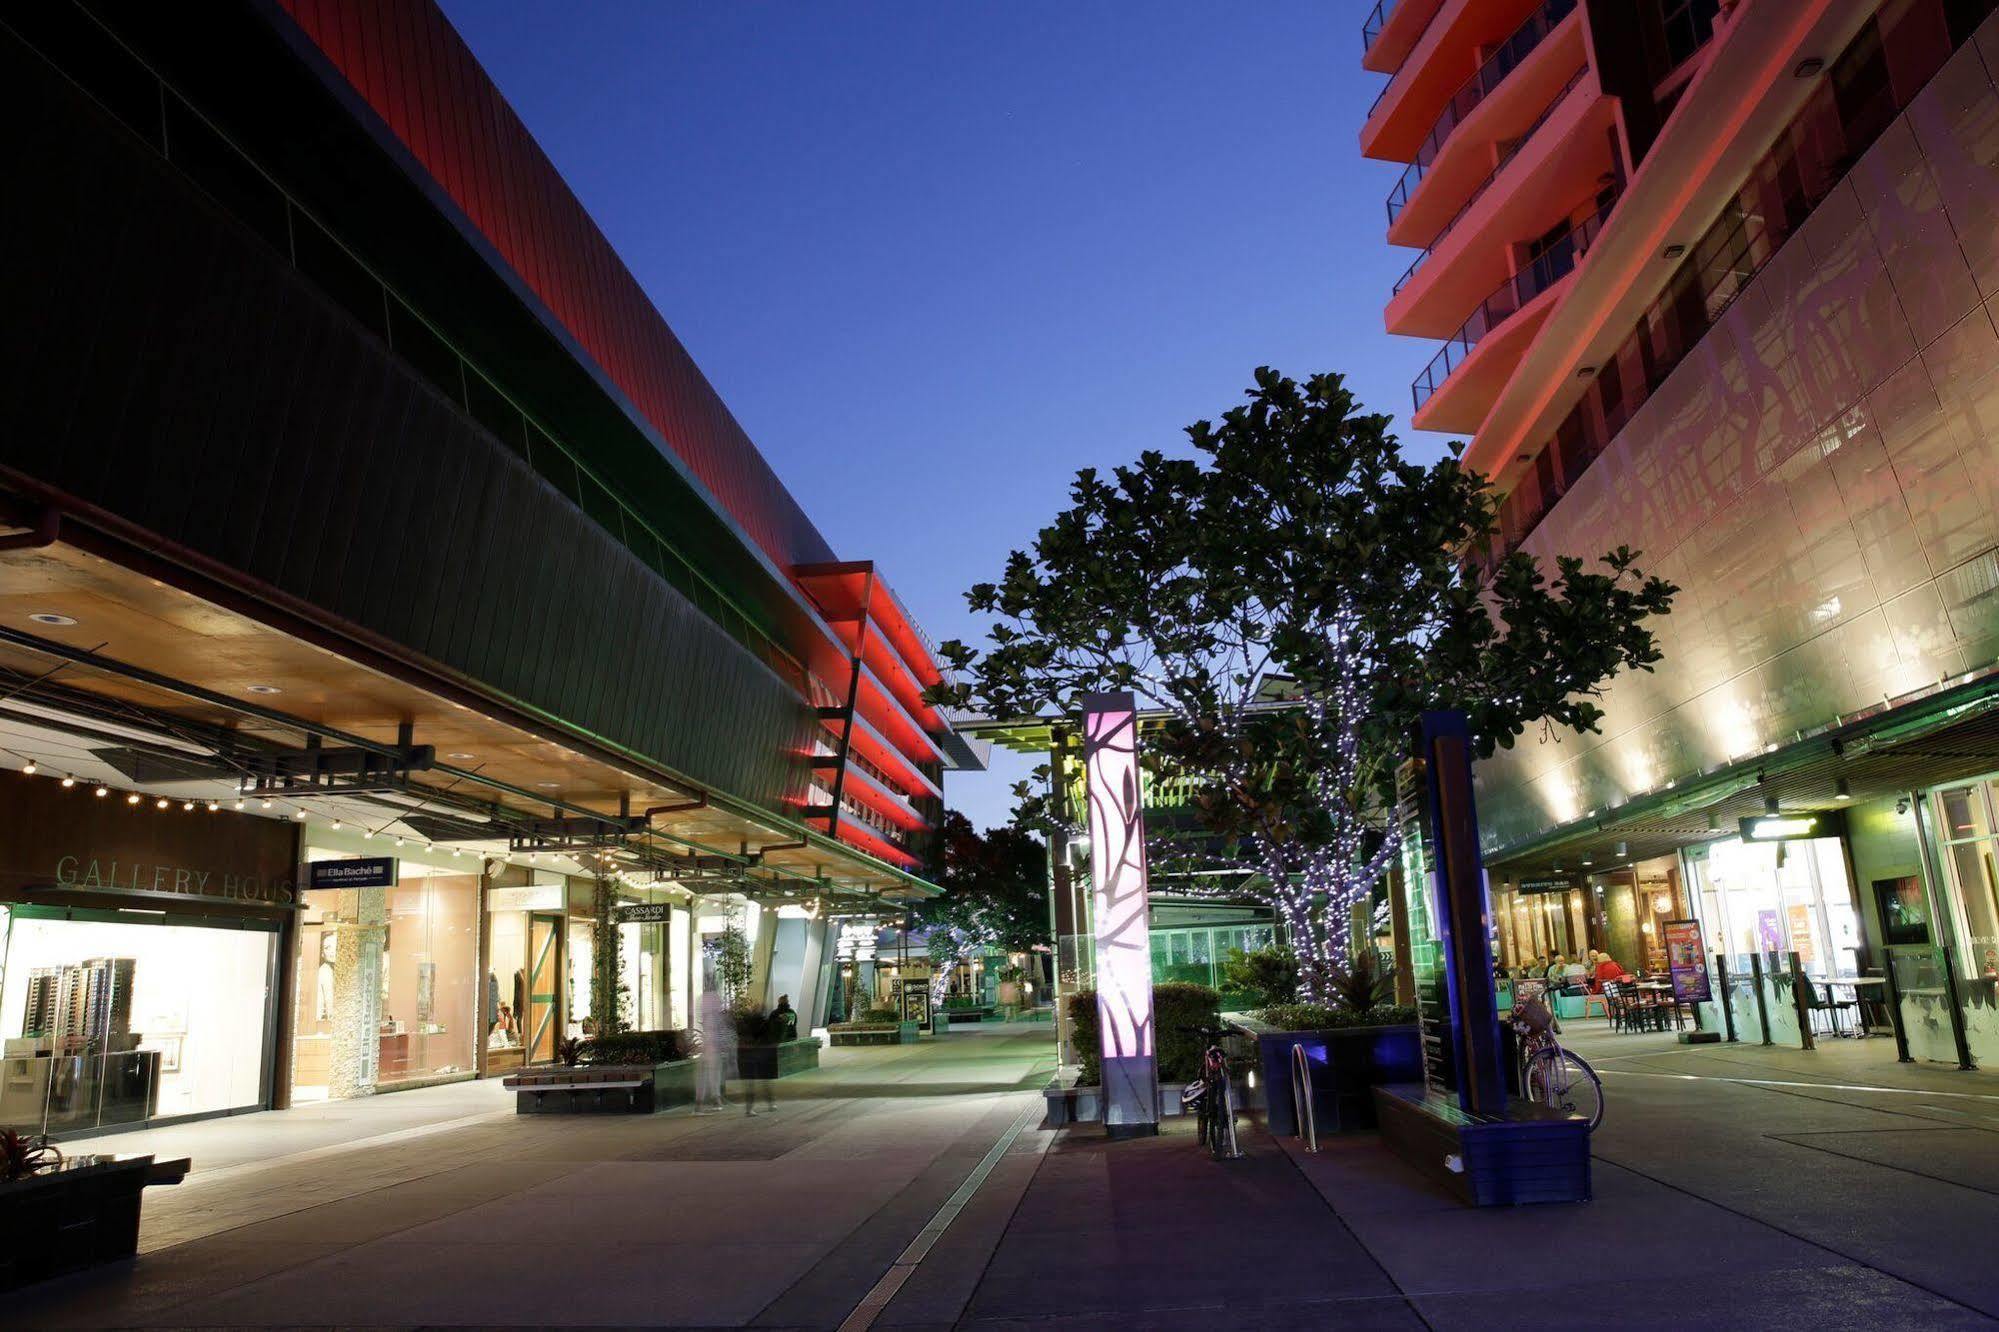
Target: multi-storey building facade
column 1713, row 280
column 357, row 504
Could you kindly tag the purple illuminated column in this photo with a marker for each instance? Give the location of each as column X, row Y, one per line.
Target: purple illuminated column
column 1119, row 905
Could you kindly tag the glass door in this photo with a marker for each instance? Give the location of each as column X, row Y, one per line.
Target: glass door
column 542, row 1021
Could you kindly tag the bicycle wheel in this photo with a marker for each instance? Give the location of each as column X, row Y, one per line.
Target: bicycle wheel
column 1564, row 1081
column 1203, row 1116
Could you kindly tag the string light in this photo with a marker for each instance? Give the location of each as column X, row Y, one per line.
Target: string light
column 187, row 806
column 132, row 799
column 161, row 803
column 29, row 767
column 103, row 791
column 266, row 804
column 239, row 804
column 213, row 806
column 69, row 781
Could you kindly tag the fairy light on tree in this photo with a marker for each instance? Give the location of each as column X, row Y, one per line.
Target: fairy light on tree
column 1289, row 600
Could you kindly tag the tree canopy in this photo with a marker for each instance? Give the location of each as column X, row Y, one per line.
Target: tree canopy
column 1294, row 595
column 995, row 887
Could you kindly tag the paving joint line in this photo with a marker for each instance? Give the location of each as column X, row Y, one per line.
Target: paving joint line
column 876, row 1301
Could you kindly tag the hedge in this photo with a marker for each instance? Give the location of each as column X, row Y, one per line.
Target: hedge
column 1318, row 1017
column 1175, row 1005
column 636, row 1047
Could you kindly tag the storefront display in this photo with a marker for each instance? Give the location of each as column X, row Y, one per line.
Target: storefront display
column 1968, row 831
column 388, row 990
column 524, row 981
column 140, row 956
column 1774, row 898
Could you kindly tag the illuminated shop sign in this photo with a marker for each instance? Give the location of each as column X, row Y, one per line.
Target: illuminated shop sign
column 1528, row 887
column 360, row 872
column 1792, row 827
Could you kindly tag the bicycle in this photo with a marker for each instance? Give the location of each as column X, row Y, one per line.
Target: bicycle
column 1550, row 1074
column 1212, row 1099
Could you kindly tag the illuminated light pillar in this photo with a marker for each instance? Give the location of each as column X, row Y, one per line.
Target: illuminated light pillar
column 1122, row 911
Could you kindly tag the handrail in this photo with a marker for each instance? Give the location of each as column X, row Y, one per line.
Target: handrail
column 1371, row 28
column 1302, row 1105
column 1508, row 299
column 1506, row 57
column 1505, row 158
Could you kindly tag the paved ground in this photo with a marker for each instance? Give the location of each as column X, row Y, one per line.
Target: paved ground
column 1736, row 1186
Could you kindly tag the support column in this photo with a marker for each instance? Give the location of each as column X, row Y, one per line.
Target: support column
column 1122, row 910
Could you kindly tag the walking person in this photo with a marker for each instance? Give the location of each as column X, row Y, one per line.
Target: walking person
column 718, row 1048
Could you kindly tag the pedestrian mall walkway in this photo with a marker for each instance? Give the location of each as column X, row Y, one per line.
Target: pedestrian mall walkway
column 910, row 1188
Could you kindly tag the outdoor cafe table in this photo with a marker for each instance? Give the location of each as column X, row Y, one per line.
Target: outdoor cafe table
column 1872, row 985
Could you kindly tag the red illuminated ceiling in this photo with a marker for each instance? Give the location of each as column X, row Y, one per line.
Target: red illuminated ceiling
column 411, row 67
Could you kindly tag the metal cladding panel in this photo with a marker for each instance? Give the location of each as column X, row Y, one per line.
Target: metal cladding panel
column 413, row 70
column 1820, row 475
column 211, row 398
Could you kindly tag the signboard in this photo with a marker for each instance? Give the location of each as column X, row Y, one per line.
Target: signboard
column 1792, row 827
column 916, row 1001
column 1687, row 961
column 359, row 872
column 643, row 913
column 1528, row 887
column 1433, row 1016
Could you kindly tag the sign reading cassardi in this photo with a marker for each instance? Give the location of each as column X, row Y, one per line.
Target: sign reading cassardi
column 61, row 839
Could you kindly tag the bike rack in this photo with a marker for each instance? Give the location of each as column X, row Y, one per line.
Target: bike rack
column 1301, row 1097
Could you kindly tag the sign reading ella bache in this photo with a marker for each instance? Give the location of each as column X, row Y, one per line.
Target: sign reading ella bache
column 354, row 872
column 64, row 839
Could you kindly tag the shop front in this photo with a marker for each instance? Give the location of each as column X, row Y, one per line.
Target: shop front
column 142, row 949
column 387, row 960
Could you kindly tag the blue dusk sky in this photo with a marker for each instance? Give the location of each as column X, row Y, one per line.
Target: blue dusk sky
column 937, row 256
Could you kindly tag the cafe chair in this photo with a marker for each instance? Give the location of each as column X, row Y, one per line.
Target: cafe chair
column 1820, row 1001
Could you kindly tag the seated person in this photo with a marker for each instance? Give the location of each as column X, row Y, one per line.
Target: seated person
column 1608, row 970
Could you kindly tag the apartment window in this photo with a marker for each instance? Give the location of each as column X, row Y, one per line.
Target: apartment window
column 1688, row 26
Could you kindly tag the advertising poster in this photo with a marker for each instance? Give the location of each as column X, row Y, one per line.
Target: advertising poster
column 1687, row 961
column 1769, row 932
column 1800, row 918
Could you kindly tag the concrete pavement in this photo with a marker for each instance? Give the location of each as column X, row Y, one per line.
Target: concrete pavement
column 1735, row 1186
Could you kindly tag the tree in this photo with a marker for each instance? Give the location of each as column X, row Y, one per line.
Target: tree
column 995, row 896
column 1292, row 597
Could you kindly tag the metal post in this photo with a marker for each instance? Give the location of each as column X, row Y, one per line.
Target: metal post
column 1956, row 1010
column 1902, row 1054
column 1799, row 994
column 1727, row 996
column 1762, row 1006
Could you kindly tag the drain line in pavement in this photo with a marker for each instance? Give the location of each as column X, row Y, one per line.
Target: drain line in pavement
column 877, row 1299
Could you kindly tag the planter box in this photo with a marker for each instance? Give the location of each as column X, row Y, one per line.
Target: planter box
column 1347, row 1064
column 1529, row 1154
column 901, row 1033
column 955, row 1016
column 1069, row 1104
column 603, row 1089
column 83, row 1212
column 764, row 1062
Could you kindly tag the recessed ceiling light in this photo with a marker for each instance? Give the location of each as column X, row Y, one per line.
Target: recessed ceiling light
column 460, row 754
column 50, row 617
column 548, row 786
column 264, row 689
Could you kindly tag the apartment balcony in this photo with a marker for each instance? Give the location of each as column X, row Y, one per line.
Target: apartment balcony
column 1425, row 203
column 1459, row 386
column 1565, row 159
column 1391, row 31
column 1431, row 93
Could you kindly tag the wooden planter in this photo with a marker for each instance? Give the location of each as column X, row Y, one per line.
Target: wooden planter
column 603, row 1089
column 83, row 1212
column 1347, row 1064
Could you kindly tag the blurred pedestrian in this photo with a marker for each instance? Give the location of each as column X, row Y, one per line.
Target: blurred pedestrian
column 718, row 1048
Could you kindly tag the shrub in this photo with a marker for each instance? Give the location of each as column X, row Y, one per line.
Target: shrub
column 1318, row 1017
column 883, row 1014
column 1363, row 983
column 636, row 1047
column 1176, row 1005
column 1266, row 976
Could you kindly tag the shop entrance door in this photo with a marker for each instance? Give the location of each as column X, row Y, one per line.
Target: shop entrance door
column 542, row 1023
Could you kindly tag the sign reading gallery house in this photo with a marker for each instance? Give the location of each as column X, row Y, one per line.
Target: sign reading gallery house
column 143, row 954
